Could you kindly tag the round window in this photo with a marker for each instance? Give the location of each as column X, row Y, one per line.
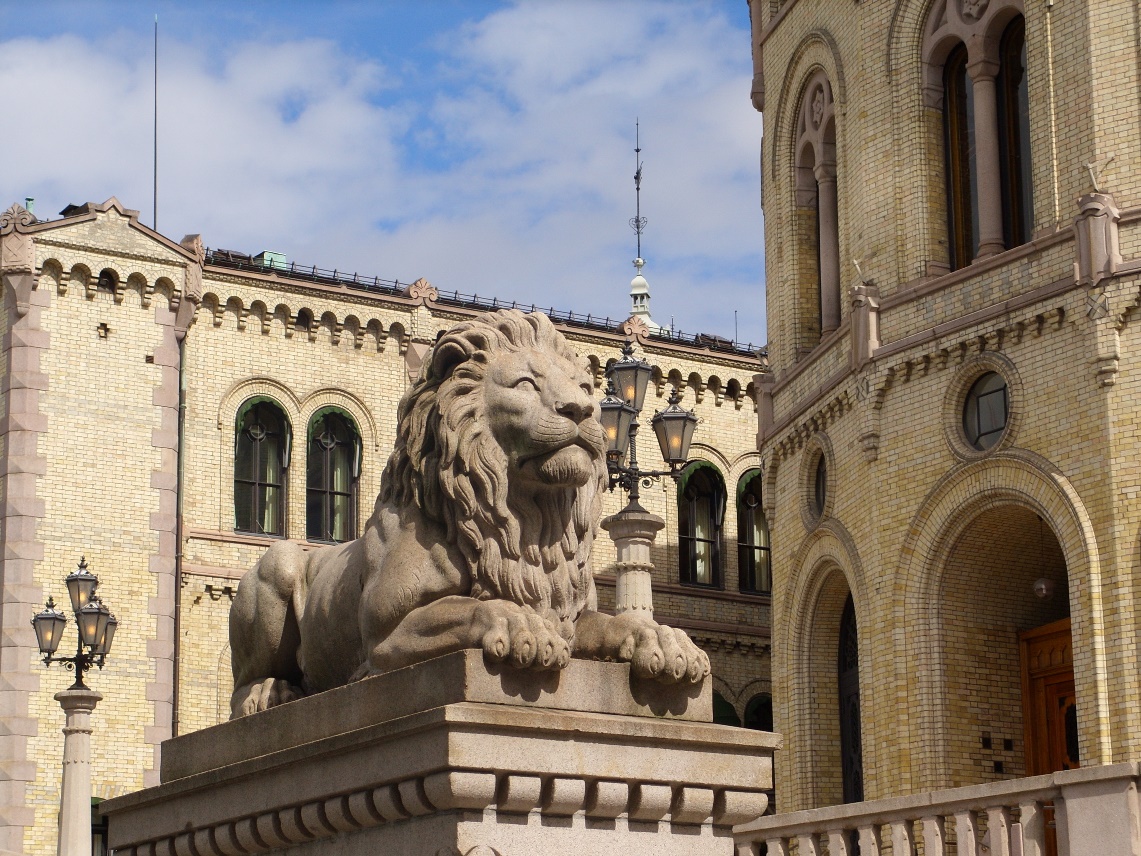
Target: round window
column 820, row 490
column 986, row 411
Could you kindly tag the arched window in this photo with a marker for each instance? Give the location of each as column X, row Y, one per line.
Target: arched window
column 959, row 150
column 759, row 712
column 701, row 500
column 1014, row 135
column 978, row 51
column 261, row 460
column 818, row 214
column 332, row 471
column 753, row 563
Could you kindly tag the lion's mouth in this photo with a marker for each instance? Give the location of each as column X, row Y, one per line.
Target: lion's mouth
column 554, row 434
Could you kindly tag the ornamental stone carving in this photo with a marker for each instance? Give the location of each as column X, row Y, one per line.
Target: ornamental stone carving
column 972, row 10
column 481, row 537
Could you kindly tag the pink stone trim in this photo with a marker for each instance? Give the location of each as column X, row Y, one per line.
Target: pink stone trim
column 21, row 467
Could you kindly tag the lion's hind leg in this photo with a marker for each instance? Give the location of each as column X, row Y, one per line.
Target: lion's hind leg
column 264, row 633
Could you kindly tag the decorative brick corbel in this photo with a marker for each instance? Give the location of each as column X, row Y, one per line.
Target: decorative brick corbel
column 869, row 401
column 699, row 390
column 865, row 337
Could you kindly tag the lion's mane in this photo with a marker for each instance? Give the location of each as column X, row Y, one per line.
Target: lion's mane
column 448, row 464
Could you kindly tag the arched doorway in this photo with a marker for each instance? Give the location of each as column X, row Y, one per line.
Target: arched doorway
column 1004, row 635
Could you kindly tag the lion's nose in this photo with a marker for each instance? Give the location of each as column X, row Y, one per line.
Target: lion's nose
column 575, row 409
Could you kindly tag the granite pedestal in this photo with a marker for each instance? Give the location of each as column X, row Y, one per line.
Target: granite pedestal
column 448, row 757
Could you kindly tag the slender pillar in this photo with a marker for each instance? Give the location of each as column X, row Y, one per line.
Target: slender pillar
column 633, row 530
column 988, row 177
column 829, row 248
column 75, row 795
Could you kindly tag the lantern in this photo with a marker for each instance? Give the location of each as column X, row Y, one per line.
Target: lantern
column 49, row 626
column 674, row 429
column 103, row 647
column 616, row 417
column 92, row 621
column 630, row 378
column 81, row 585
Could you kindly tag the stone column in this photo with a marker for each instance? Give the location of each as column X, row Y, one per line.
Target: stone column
column 75, row 794
column 633, row 530
column 829, row 248
column 988, row 176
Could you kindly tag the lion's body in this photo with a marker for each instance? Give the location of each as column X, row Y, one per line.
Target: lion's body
column 481, row 535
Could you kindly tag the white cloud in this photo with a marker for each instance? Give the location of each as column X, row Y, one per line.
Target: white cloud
column 512, row 176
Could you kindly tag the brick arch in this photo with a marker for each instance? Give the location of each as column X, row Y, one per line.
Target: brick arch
column 825, row 569
column 248, row 388
column 1020, row 478
column 351, row 404
column 817, row 51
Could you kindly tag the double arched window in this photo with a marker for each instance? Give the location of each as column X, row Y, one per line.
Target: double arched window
column 701, row 512
column 261, row 462
column 817, row 215
column 979, row 51
column 754, row 567
column 332, row 472
column 262, row 441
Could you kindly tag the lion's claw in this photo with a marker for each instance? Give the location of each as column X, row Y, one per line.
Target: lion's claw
column 521, row 636
column 660, row 653
column 264, row 694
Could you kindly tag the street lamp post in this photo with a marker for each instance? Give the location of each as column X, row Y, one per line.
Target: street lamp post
column 96, row 629
column 633, row 528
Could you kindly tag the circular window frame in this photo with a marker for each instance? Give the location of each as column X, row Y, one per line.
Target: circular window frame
column 955, row 401
column 817, row 449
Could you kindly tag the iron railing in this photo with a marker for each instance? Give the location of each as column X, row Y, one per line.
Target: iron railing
column 375, row 285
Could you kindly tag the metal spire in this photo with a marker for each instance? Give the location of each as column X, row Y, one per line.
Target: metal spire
column 638, row 222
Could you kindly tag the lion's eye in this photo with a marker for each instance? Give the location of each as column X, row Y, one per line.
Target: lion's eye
column 525, row 382
column 587, row 388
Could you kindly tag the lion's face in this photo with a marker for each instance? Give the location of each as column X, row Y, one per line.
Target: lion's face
column 541, row 413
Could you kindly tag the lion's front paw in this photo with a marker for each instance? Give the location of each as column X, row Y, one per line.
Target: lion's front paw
column 519, row 636
column 262, row 695
column 655, row 651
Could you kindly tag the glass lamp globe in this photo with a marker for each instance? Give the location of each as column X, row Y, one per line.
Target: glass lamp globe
column 49, row 625
column 674, row 428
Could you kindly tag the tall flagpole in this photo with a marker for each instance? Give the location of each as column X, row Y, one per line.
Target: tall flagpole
column 154, row 216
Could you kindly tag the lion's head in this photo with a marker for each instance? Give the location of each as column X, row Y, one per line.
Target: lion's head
column 498, row 441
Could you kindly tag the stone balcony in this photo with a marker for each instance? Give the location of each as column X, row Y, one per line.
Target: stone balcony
column 1093, row 811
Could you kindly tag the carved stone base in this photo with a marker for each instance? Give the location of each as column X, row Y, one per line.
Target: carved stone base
column 363, row 769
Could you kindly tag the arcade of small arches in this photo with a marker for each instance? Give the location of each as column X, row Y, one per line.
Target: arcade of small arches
column 307, row 323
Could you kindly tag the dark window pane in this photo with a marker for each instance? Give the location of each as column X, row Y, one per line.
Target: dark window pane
column 244, row 507
column 959, row 159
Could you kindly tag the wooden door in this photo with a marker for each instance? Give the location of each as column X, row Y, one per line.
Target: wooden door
column 1049, row 707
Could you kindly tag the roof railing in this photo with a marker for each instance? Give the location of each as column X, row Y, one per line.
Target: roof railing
column 375, row 285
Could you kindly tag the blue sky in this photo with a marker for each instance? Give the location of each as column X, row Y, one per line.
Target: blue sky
column 485, row 146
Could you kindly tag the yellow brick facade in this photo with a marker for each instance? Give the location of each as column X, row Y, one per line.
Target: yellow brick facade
column 939, row 544
column 118, row 318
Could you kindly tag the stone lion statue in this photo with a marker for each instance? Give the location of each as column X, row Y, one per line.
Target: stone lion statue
column 480, row 538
